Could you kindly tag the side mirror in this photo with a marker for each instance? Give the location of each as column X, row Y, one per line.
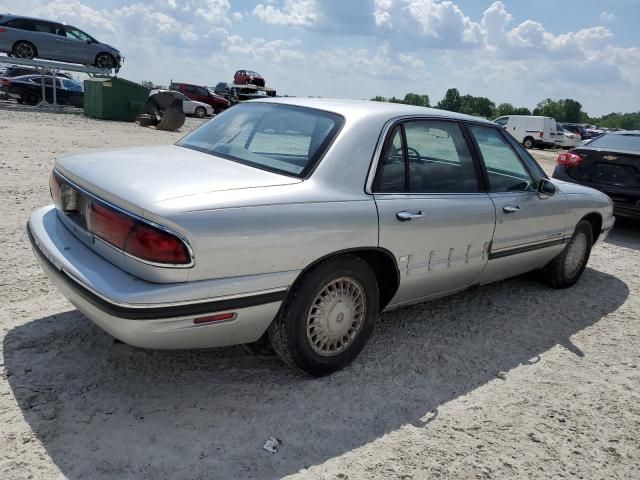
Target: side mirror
column 546, row 188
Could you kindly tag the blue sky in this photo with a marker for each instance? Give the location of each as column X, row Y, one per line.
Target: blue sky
column 510, row 50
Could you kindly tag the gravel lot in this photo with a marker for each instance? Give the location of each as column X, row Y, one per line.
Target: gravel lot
column 510, row 380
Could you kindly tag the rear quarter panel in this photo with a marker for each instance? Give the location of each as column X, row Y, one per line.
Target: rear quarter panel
column 234, row 242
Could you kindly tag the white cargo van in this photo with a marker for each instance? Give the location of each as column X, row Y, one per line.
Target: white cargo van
column 530, row 130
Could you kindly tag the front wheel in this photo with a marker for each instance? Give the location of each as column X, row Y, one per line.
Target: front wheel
column 105, row 61
column 566, row 269
column 328, row 316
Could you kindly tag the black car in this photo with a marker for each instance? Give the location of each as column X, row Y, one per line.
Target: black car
column 224, row 90
column 28, row 90
column 609, row 163
column 18, row 71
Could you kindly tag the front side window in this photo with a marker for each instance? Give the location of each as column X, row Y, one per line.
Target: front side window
column 505, row 169
column 76, row 34
column 436, row 159
column 279, row 138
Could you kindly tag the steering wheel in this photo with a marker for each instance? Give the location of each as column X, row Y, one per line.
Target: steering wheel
column 418, row 158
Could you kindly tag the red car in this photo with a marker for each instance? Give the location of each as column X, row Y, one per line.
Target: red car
column 202, row 94
column 248, row 77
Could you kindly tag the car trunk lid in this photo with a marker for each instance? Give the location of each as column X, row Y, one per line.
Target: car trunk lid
column 619, row 169
column 139, row 179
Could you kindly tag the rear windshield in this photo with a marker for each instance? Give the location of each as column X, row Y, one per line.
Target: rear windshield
column 279, row 138
column 617, row 141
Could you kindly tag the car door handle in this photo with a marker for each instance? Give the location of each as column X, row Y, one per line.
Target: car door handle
column 405, row 216
column 510, row 208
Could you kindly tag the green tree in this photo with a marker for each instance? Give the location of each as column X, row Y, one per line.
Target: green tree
column 378, row 98
column 416, row 99
column 451, row 101
column 478, row 106
column 567, row 110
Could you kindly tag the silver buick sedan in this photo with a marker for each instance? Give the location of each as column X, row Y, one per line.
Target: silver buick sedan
column 301, row 220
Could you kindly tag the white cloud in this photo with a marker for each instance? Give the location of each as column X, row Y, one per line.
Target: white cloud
column 382, row 12
column 444, row 20
column 607, row 17
column 298, row 13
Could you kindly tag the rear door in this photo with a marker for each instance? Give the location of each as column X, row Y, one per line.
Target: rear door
column 530, row 228
column 433, row 214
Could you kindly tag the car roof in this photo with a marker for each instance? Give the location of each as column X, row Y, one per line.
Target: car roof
column 6, row 16
column 350, row 108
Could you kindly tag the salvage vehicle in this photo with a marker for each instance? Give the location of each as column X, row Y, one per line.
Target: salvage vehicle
column 609, row 163
column 28, row 90
column 189, row 107
column 566, row 138
column 248, row 77
column 202, row 94
column 530, row 130
column 304, row 219
column 26, row 37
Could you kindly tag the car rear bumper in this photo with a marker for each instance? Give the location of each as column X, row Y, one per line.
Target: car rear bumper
column 168, row 324
column 626, row 201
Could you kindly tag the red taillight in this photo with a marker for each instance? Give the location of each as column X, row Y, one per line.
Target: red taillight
column 569, row 159
column 2, row 29
column 155, row 245
column 109, row 225
column 132, row 236
column 541, row 134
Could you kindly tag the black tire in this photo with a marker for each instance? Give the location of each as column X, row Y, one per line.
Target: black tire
column 31, row 99
column 528, row 142
column 289, row 332
column 201, row 112
column 217, row 109
column 560, row 273
column 24, row 49
column 105, row 61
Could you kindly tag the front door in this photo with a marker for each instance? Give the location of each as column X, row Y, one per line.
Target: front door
column 433, row 216
column 530, row 227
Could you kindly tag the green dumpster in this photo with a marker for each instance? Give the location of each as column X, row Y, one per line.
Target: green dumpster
column 113, row 98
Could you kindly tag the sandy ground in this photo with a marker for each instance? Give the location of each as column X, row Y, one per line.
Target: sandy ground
column 510, row 380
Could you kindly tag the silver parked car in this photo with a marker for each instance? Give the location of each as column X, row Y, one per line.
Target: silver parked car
column 303, row 219
column 25, row 37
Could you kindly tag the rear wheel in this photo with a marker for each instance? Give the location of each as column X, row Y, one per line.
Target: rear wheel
column 201, row 112
column 528, row 142
column 566, row 269
column 30, row 98
column 24, row 49
column 328, row 316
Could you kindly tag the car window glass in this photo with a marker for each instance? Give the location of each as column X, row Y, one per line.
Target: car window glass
column 439, row 159
column 76, row 34
column 189, row 89
column 278, row 138
column 202, row 91
column 391, row 177
column 44, row 27
column 505, row 169
column 502, row 121
column 22, row 24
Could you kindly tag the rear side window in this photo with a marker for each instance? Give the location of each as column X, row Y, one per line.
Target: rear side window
column 505, row 169
column 432, row 157
column 22, row 24
column 280, row 138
